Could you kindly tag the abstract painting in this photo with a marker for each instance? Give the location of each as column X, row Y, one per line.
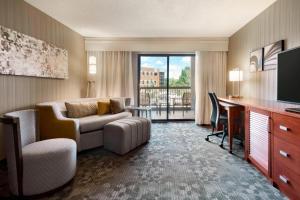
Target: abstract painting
column 256, row 60
column 270, row 55
column 23, row 55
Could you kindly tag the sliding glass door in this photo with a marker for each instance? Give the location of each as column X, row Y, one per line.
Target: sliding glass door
column 166, row 85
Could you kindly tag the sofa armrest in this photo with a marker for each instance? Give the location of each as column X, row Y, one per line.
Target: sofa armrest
column 52, row 124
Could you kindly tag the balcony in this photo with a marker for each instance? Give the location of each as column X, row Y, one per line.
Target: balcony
column 181, row 102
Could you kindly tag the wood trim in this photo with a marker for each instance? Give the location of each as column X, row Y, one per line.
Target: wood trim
column 18, row 155
column 247, row 133
column 18, row 150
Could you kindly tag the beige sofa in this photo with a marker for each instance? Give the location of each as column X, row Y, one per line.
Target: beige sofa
column 86, row 131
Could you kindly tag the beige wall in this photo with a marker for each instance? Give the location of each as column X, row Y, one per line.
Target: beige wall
column 18, row 92
column 279, row 21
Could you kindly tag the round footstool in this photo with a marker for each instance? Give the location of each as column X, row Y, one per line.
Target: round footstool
column 48, row 164
column 124, row 135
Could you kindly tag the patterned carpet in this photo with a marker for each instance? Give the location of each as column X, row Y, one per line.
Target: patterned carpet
column 177, row 163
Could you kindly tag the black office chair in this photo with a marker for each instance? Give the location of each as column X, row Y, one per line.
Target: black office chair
column 217, row 118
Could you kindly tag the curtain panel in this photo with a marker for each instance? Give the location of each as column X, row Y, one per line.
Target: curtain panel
column 210, row 76
column 114, row 76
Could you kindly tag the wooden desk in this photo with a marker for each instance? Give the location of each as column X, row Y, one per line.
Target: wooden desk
column 272, row 140
column 233, row 114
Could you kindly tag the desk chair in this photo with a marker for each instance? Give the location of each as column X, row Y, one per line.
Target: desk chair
column 217, row 119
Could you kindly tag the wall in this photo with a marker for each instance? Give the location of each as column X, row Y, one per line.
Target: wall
column 17, row 92
column 280, row 21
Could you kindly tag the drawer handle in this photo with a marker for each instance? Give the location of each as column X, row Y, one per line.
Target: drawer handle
column 283, row 128
column 283, row 179
column 283, row 153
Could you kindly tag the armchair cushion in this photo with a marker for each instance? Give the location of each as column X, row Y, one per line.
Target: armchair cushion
column 48, row 164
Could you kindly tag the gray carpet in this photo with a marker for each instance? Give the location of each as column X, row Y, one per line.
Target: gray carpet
column 177, row 163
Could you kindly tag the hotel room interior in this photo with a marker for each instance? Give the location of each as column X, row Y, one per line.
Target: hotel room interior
column 150, row 99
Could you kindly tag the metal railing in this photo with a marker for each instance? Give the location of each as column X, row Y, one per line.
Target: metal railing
column 157, row 96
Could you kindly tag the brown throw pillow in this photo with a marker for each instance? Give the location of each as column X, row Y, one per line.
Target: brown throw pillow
column 81, row 109
column 117, row 105
column 103, row 107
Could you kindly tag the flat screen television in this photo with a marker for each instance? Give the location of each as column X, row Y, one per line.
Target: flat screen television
column 288, row 85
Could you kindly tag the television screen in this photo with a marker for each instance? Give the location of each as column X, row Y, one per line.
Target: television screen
column 288, row 88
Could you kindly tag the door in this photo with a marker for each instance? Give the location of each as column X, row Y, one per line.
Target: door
column 166, row 85
column 181, row 89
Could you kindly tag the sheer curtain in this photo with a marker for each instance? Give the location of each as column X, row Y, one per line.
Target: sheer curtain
column 210, row 76
column 114, row 76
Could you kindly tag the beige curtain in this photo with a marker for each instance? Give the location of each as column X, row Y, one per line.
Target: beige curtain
column 114, row 77
column 210, row 76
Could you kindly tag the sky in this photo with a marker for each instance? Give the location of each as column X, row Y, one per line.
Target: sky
column 177, row 63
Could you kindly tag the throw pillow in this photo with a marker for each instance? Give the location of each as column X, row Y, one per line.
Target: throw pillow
column 117, row 105
column 81, row 109
column 103, row 107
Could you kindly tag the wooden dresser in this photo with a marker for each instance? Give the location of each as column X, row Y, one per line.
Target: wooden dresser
column 272, row 142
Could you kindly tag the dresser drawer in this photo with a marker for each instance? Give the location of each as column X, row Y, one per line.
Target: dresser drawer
column 287, row 181
column 287, row 128
column 286, row 154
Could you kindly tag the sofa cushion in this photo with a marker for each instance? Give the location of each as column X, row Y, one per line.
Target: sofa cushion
column 117, row 105
column 96, row 122
column 103, row 107
column 82, row 109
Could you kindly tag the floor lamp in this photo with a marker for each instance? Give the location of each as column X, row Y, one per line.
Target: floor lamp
column 236, row 76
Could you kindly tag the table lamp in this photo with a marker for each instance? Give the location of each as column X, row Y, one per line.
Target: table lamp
column 236, row 75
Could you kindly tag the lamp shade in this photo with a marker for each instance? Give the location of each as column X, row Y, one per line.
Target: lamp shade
column 235, row 75
column 92, row 65
column 92, row 60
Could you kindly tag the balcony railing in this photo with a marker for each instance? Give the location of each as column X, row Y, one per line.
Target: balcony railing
column 157, row 96
column 180, row 102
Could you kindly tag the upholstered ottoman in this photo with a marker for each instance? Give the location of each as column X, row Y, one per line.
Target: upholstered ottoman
column 124, row 135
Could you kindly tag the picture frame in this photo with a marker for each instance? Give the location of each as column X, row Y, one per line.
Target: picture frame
column 23, row 55
column 256, row 60
column 270, row 55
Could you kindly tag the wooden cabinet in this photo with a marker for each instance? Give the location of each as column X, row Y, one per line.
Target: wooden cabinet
column 287, row 128
column 286, row 154
column 272, row 142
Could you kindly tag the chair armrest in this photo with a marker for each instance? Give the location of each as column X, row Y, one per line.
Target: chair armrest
column 52, row 124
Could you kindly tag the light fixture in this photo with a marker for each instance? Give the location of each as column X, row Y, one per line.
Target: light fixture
column 92, row 65
column 236, row 75
column 91, row 87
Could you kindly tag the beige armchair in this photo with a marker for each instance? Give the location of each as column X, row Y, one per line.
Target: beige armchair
column 35, row 167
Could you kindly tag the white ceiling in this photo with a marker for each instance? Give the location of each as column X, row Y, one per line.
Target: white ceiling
column 153, row 18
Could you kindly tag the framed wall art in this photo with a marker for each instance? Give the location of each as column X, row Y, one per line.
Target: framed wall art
column 24, row 55
column 270, row 55
column 256, row 60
